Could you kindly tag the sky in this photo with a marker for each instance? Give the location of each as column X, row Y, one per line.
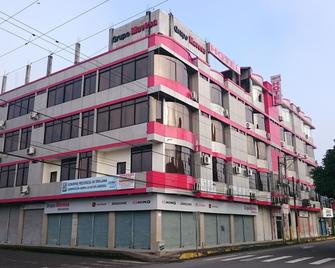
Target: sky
column 294, row 38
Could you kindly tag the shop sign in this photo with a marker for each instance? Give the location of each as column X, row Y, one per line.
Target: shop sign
column 223, row 58
column 94, row 184
column 276, row 89
column 327, row 213
column 190, row 39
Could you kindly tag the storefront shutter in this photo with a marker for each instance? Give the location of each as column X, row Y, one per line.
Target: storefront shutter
column 4, row 217
column 84, row 230
column 248, row 228
column 13, row 225
column 123, row 229
column 238, row 224
column 188, row 229
column 211, row 235
column 32, row 226
column 171, row 229
column 223, row 229
column 65, row 230
column 53, row 229
column 100, row 233
column 141, row 230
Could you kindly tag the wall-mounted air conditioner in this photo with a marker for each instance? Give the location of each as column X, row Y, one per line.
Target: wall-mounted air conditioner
column 230, row 192
column 280, row 118
column 237, row 170
column 24, row 189
column 249, row 172
column 2, row 124
column 194, row 96
column 31, row 150
column 34, row 115
column 247, row 125
column 252, row 196
column 206, row 159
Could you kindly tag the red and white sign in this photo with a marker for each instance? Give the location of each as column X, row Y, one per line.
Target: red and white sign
column 223, row 58
column 276, row 89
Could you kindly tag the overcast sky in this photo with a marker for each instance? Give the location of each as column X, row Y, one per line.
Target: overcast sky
column 293, row 38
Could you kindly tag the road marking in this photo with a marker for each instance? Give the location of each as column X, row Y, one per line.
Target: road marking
column 221, row 257
column 238, row 258
column 258, row 258
column 277, row 259
column 322, row 261
column 299, row 260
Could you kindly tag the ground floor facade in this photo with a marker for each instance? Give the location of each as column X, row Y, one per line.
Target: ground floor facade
column 148, row 222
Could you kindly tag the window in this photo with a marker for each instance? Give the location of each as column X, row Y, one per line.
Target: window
column 282, row 134
column 7, row 176
column 61, row 129
column 121, row 167
column 64, row 92
column 216, row 95
column 252, row 179
column 310, row 151
column 260, row 121
column 285, row 113
column 178, row 159
column 251, row 145
column 53, row 176
column 141, row 158
column 87, row 123
column 289, row 138
column 22, row 174
column 217, row 131
column 68, row 169
column 178, row 115
column 85, row 165
column 11, row 141
column 249, row 116
column 21, row 107
column 262, row 182
column 123, row 114
column 25, row 138
column 219, row 170
column 90, row 83
column 261, row 150
column 123, row 73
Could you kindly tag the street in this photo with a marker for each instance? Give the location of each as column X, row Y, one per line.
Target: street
column 320, row 254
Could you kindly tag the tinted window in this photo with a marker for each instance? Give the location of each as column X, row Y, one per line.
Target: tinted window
column 64, row 92
column 25, row 138
column 22, row 174
column 104, row 80
column 85, row 165
column 7, row 176
column 11, row 141
column 128, row 72
column 62, row 129
column 90, row 83
column 21, row 107
column 141, row 158
column 121, row 168
column 116, row 76
column 68, row 169
column 178, row 159
column 219, row 170
column 87, row 123
column 141, row 68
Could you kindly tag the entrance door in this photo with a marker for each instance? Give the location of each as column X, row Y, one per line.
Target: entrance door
column 279, row 225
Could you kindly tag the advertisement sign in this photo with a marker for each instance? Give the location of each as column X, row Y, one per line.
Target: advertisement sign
column 327, row 213
column 97, row 184
column 223, row 58
column 276, row 89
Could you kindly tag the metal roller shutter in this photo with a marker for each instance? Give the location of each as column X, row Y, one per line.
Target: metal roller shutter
column 188, row 229
column 123, row 229
column 223, row 229
column 84, row 230
column 238, row 223
column 141, row 230
column 13, row 225
column 171, row 229
column 65, row 230
column 100, row 233
column 4, row 217
column 32, row 226
column 53, row 229
column 211, row 235
column 248, row 228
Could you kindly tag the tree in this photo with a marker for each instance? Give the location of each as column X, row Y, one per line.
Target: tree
column 324, row 176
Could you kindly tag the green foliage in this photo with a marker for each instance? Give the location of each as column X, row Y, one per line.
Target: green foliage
column 324, row 176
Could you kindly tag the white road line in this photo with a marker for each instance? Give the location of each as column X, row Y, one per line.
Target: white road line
column 258, row 258
column 238, row 258
column 277, row 259
column 299, row 260
column 221, row 257
column 322, row 261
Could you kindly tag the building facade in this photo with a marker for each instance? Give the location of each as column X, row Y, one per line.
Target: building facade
column 147, row 147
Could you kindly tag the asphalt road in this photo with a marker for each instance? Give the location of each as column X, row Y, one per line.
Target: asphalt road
column 320, row 254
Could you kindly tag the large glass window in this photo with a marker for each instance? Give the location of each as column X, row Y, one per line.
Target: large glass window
column 262, row 182
column 87, row 123
column 85, row 165
column 61, row 129
column 22, row 174
column 251, row 145
column 217, row 131
column 216, row 95
column 90, row 83
column 141, row 158
column 7, row 176
column 249, row 115
column 289, row 138
column 178, row 159
column 252, row 179
column 25, row 138
column 11, row 141
column 260, row 122
column 219, row 170
column 123, row 114
column 64, row 92
column 21, row 107
column 310, row 151
column 261, row 150
column 178, row 115
column 68, row 169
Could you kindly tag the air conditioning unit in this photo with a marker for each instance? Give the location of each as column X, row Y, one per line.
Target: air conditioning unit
column 252, row 196
column 34, row 115
column 31, row 150
column 206, row 159
column 248, row 126
column 226, row 113
column 196, row 187
column 194, row 96
column 306, row 136
column 237, row 170
column 282, row 144
column 268, row 135
column 24, row 189
column 280, row 118
column 230, row 192
column 249, row 172
column 2, row 124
